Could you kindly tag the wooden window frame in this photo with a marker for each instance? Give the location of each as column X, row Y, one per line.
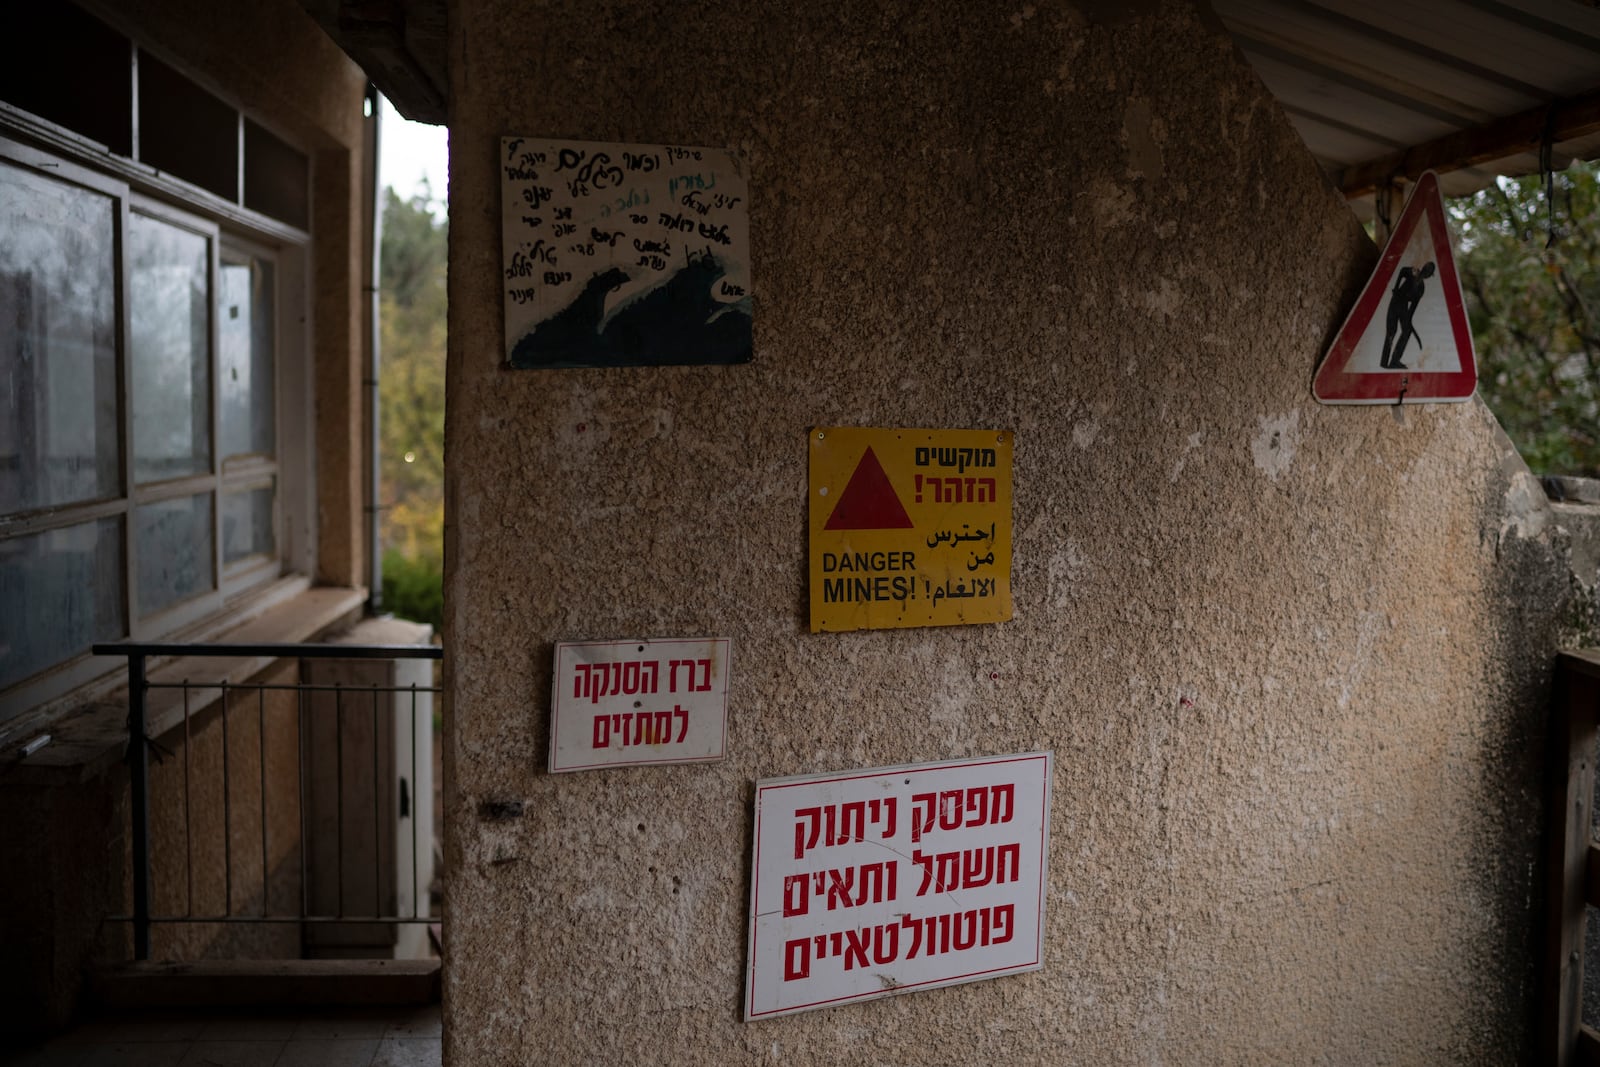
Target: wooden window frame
column 63, row 156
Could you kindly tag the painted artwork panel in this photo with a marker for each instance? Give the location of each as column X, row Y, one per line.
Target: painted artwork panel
column 875, row 883
column 909, row 527
column 624, row 255
column 639, row 701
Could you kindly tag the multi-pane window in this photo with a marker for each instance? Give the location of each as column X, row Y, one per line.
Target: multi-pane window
column 138, row 414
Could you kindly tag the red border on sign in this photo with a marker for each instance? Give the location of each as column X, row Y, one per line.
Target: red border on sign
column 874, row 994
column 1333, row 385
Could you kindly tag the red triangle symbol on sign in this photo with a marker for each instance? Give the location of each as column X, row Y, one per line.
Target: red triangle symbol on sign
column 869, row 502
column 1407, row 339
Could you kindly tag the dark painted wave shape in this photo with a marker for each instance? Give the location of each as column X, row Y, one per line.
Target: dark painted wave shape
column 677, row 322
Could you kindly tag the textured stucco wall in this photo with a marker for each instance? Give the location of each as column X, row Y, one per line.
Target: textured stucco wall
column 1290, row 658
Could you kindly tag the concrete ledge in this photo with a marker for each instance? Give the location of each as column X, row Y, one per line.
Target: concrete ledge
column 92, row 737
column 1570, row 490
column 257, row 983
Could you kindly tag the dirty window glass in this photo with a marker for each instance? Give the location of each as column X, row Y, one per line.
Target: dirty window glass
column 247, row 525
column 245, row 354
column 62, row 591
column 58, row 365
column 173, row 539
column 169, row 294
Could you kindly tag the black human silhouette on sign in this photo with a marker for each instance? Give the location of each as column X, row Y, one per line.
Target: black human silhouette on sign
column 1403, row 301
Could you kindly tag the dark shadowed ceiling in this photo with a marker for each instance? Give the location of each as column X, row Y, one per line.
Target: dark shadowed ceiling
column 400, row 44
column 1380, row 90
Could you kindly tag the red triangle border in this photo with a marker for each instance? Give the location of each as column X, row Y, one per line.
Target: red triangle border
column 1333, row 385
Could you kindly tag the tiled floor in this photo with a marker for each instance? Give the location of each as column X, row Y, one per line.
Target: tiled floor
column 347, row 1037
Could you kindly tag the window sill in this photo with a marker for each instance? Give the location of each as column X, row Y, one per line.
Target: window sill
column 91, row 736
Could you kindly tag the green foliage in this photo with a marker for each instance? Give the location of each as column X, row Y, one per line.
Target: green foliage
column 1535, row 313
column 413, row 249
column 413, row 588
column 411, row 394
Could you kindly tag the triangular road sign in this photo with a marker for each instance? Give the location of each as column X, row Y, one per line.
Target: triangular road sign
column 1407, row 339
column 869, row 502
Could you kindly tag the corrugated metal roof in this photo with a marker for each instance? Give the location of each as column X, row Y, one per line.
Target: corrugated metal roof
column 1469, row 87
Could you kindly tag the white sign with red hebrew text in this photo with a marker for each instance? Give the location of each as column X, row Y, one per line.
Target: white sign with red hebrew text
column 627, row 702
column 872, row 883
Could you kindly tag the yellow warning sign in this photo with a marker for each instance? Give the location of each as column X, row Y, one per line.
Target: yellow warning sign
column 909, row 527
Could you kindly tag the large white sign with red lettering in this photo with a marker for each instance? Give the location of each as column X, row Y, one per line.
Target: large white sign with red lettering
column 871, row 883
column 642, row 701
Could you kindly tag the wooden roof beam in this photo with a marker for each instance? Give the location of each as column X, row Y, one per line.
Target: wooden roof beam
column 1524, row 132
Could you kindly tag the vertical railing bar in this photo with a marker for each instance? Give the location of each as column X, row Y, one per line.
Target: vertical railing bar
column 142, row 919
column 188, row 797
column 139, row 797
column 227, row 814
column 261, row 730
column 338, row 795
column 377, row 814
column 416, row 805
column 300, row 793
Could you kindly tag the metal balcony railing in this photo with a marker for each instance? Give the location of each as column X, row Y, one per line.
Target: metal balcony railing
column 329, row 795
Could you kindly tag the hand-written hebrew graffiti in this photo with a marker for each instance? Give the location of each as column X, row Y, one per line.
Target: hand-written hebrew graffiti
column 919, row 876
column 638, row 702
column 624, row 255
